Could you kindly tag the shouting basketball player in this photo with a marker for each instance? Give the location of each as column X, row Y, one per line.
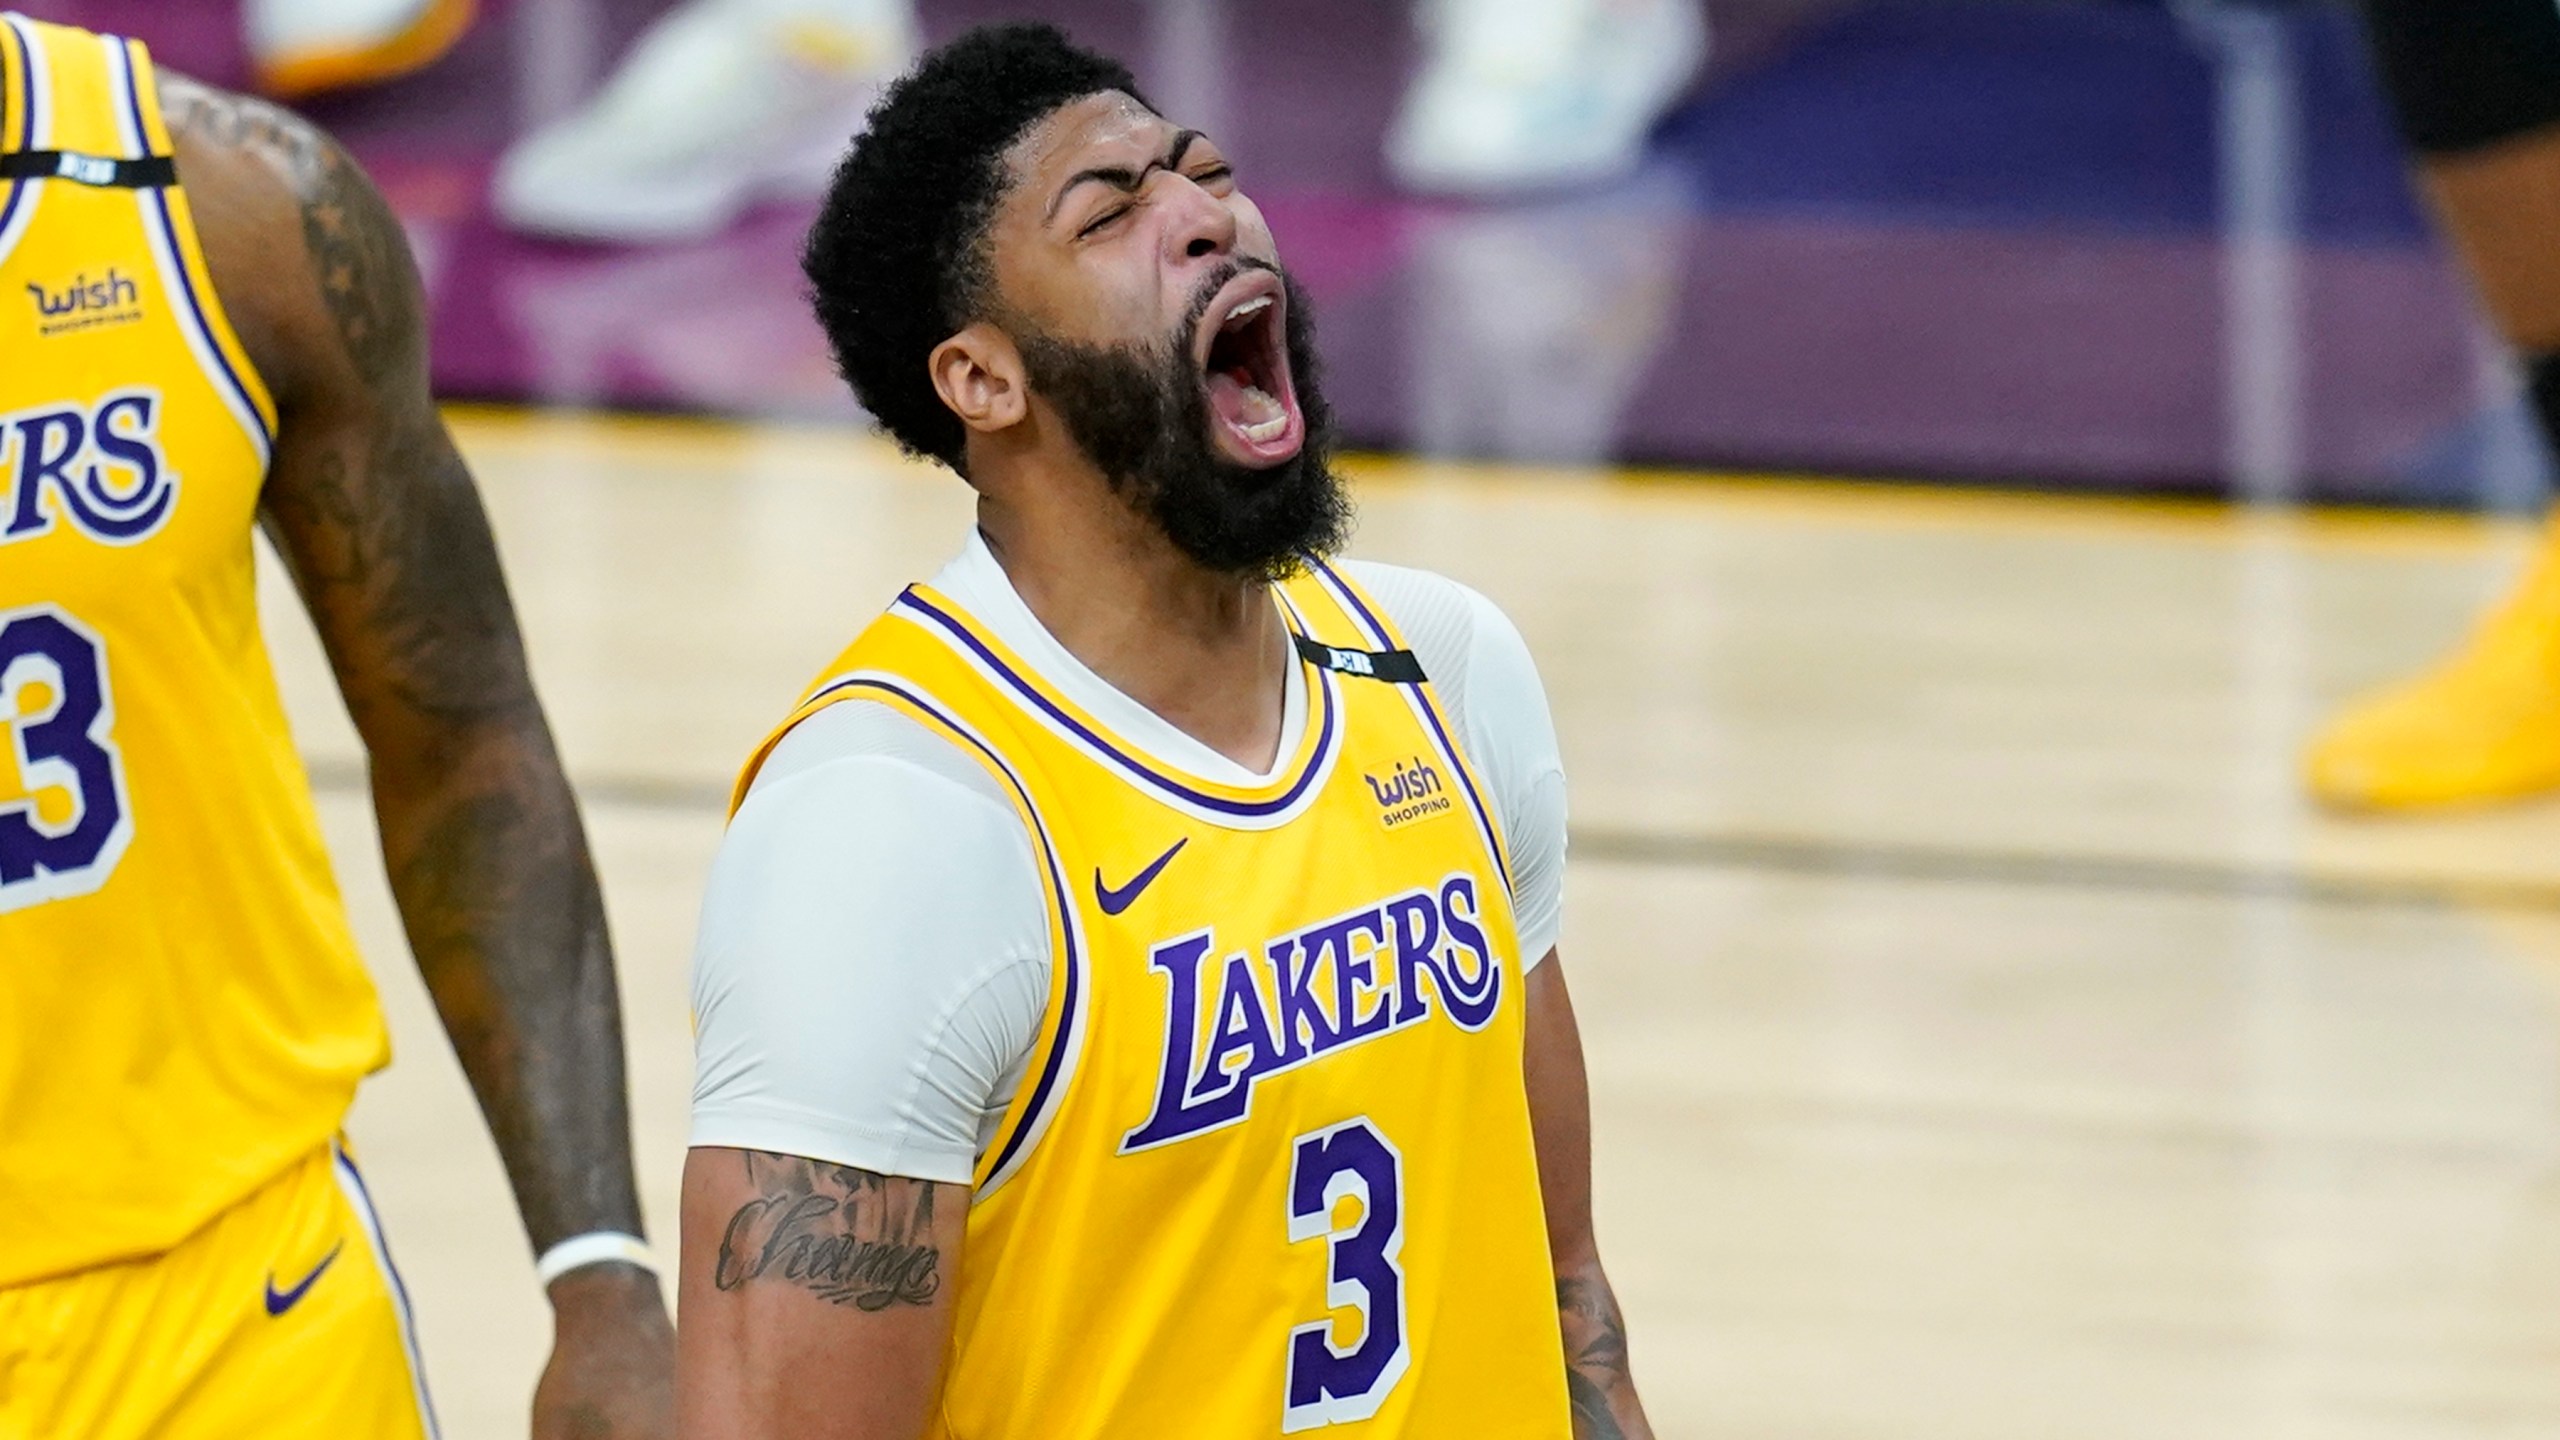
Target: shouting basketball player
column 208, row 320
column 1127, row 995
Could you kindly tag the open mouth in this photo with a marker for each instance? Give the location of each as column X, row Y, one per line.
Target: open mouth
column 1244, row 361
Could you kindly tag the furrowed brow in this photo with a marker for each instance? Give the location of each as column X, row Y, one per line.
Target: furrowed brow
column 1121, row 177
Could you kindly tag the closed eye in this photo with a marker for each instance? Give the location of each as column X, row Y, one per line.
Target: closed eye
column 1211, row 175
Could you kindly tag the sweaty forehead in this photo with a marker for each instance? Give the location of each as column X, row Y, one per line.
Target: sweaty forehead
column 1108, row 128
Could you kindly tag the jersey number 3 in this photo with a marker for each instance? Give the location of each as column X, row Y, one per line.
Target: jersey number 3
column 1330, row 1384
column 64, row 822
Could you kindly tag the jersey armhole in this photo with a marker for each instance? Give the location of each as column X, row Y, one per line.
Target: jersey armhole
column 21, row 71
column 172, row 225
column 1368, row 616
column 1060, row 1040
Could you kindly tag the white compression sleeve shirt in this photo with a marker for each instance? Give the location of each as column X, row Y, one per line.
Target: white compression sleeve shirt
column 873, row 962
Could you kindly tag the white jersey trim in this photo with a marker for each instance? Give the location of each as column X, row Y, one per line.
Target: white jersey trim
column 160, row 228
column 1169, row 781
column 25, row 197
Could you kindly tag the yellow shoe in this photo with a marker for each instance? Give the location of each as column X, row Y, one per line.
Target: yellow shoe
column 301, row 47
column 2483, row 726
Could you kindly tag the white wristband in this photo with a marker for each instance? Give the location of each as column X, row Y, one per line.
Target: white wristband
column 596, row 1247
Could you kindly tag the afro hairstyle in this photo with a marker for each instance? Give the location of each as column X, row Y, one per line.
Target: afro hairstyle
column 897, row 259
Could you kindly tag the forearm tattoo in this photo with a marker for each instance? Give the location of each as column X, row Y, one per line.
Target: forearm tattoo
column 379, row 521
column 1595, row 1349
column 847, row 1236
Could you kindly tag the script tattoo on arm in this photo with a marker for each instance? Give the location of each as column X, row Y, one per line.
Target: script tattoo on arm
column 1595, row 1349
column 849, row 1237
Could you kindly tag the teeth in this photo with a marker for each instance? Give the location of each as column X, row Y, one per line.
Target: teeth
column 1247, row 311
column 1265, row 419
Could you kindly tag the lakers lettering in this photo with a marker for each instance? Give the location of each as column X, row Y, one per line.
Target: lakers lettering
column 99, row 467
column 1308, row 994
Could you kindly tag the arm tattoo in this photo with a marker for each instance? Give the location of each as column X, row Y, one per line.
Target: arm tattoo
column 380, row 523
column 1595, row 1348
column 361, row 260
column 383, row 528
column 847, row 1236
column 358, row 255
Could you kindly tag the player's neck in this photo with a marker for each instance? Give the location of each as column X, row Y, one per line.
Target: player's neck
column 1205, row 651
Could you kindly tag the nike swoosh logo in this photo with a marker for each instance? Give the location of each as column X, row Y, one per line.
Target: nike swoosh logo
column 279, row 1301
column 1115, row 901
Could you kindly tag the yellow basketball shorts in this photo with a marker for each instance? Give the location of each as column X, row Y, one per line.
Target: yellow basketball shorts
column 281, row 1320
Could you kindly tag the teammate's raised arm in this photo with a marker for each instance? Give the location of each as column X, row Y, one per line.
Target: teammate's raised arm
column 381, row 525
column 816, row 1297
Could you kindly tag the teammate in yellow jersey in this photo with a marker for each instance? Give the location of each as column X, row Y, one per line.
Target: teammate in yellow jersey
column 1126, row 1000
column 208, row 323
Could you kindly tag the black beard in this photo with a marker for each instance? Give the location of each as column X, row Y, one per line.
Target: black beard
column 1141, row 415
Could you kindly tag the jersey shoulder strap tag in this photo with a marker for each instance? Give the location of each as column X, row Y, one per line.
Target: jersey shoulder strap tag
column 1396, row 667
column 151, row 172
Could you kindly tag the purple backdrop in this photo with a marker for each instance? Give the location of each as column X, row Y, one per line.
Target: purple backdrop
column 2038, row 243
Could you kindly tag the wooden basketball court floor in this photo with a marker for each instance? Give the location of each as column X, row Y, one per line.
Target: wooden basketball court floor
column 1986, row 1042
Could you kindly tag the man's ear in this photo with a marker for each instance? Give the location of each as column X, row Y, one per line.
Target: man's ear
column 978, row 373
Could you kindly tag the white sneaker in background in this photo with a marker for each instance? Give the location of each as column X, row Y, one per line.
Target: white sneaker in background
column 721, row 104
column 299, row 47
column 1521, row 95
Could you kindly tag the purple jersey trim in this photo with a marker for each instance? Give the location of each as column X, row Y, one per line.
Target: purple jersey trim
column 156, row 205
column 24, row 49
column 1136, row 768
column 399, row 1289
column 1379, row 636
column 1055, row 1064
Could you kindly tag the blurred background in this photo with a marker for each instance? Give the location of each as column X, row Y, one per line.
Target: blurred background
column 2104, row 244
column 1950, row 457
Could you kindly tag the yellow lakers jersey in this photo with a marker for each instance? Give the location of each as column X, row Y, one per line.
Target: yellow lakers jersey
column 1270, row 1168
column 182, row 1011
